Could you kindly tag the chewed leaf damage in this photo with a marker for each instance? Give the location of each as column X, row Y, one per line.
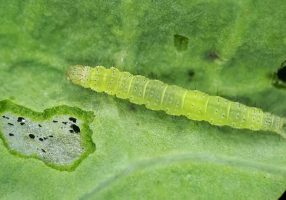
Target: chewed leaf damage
column 60, row 136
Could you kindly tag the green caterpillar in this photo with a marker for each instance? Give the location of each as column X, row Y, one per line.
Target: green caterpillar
column 175, row 100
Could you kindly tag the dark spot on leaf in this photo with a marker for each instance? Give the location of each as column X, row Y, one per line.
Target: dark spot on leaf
column 212, row 55
column 71, row 131
column 55, row 121
column 181, row 42
column 22, row 123
column 41, row 139
column 43, row 150
column 191, row 73
column 75, row 128
column 5, row 117
column 132, row 107
column 64, row 123
column 72, row 119
column 10, row 124
column 40, row 125
column 11, row 134
column 20, row 119
column 51, row 136
column 32, row 136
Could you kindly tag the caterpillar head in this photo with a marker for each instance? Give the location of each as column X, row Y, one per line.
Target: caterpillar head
column 78, row 74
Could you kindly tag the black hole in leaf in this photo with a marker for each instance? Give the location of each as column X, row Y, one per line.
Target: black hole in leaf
column 72, row 119
column 75, row 128
column 32, row 136
column 20, row 119
column 281, row 73
column 181, row 42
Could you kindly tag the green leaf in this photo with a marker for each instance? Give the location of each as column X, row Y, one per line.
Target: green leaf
column 226, row 48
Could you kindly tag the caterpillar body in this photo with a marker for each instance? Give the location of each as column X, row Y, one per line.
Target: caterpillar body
column 175, row 100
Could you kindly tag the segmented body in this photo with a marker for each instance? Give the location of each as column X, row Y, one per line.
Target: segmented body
column 175, row 100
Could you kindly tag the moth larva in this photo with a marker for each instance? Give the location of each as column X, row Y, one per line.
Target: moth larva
column 175, row 100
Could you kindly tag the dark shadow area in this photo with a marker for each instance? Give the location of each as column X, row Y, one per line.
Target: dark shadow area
column 181, row 42
column 212, row 55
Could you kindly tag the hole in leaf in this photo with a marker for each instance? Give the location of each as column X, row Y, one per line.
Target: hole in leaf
column 279, row 77
column 43, row 138
column 281, row 73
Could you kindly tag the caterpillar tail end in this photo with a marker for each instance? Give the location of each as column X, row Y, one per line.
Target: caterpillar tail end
column 77, row 74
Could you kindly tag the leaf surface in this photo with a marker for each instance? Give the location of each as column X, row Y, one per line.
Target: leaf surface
column 226, row 48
